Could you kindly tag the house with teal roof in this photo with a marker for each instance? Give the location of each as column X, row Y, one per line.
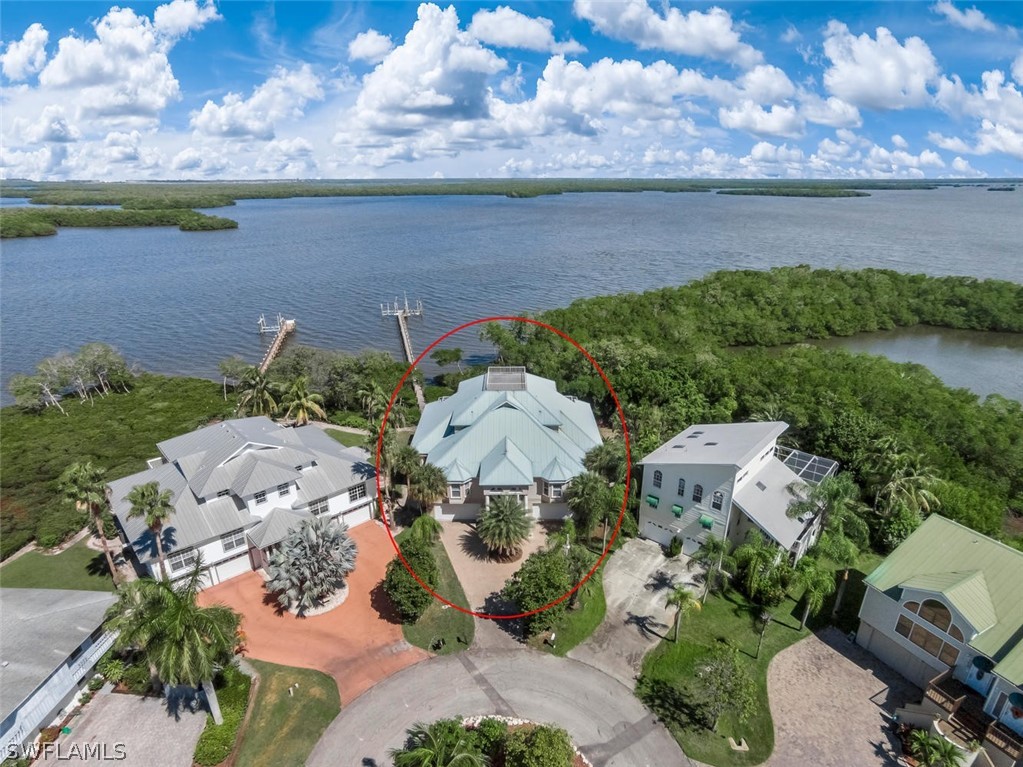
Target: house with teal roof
column 945, row 609
column 506, row 432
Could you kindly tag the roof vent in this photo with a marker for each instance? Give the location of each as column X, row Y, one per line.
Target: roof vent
column 761, row 486
column 708, row 444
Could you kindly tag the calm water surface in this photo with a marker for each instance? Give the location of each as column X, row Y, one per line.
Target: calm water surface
column 178, row 302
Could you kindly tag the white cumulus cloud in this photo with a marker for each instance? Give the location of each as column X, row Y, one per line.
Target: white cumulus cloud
column 972, row 19
column 370, row 46
column 751, row 117
column 26, row 56
column 504, row 27
column 179, row 17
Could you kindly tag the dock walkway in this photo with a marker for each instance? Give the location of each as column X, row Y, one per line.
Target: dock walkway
column 403, row 312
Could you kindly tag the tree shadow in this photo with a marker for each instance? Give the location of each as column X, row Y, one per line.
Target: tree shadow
column 98, row 565
column 382, row 603
column 661, row 581
column 180, row 698
column 647, row 625
column 270, row 600
column 496, row 604
column 671, row 704
column 473, row 547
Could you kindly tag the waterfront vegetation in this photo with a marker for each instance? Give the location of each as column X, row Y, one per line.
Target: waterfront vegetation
column 35, row 222
column 783, row 191
column 287, row 720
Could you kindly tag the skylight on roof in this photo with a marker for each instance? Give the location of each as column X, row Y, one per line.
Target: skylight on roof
column 505, row 379
column 761, row 486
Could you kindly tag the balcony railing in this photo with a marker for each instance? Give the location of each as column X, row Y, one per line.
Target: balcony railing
column 89, row 658
column 1005, row 740
column 942, row 691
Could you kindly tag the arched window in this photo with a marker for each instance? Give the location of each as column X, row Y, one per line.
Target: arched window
column 697, row 493
column 657, row 478
column 681, row 487
column 936, row 614
column 955, row 633
column 913, row 607
column 719, row 498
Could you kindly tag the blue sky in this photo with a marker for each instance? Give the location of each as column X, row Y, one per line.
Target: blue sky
column 205, row 90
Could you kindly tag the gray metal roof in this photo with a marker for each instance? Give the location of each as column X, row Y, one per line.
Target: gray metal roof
column 717, row 444
column 506, row 466
column 40, row 629
column 276, row 525
column 766, row 497
column 459, row 432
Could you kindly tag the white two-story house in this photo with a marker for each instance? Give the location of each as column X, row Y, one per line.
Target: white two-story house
column 945, row 609
column 238, row 487
column 726, row 479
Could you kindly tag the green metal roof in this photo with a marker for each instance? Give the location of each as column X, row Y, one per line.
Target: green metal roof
column 950, row 557
column 966, row 591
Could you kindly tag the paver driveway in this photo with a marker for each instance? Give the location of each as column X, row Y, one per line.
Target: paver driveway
column 637, row 579
column 150, row 735
column 358, row 643
column 830, row 700
column 610, row 726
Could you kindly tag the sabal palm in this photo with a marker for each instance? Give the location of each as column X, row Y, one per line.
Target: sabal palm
column 427, row 484
column 504, row 525
column 715, row 556
column 183, row 642
column 406, row 461
column 257, row 394
column 817, row 582
column 585, row 496
column 301, row 403
column 426, row 749
column 684, row 602
column 82, row 484
column 757, row 560
column 155, row 507
column 388, row 450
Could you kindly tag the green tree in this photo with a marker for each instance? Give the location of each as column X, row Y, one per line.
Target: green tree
column 445, row 357
column 181, row 641
column 373, row 399
column 608, row 460
column 586, row 495
column 257, row 394
column 441, row 744
column 542, row 578
column 504, row 525
column 715, row 556
column 408, row 596
column 428, row 485
column 817, row 581
column 155, row 507
column 902, row 478
column 406, row 461
column 540, row 746
column 233, row 369
column 82, row 484
column 759, row 567
column 311, row 564
column 684, row 602
column 301, row 403
column 726, row 685
column 425, row 529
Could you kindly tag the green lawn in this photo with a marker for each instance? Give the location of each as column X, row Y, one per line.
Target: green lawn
column 441, row 621
column 118, row 432
column 348, row 439
column 79, row 567
column 579, row 622
column 283, row 728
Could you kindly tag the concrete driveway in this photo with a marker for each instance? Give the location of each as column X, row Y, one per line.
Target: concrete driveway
column 637, row 580
column 609, row 725
column 141, row 729
column 358, row 643
column 830, row 700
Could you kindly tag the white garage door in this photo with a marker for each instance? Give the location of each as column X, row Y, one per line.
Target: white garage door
column 232, row 567
column 657, row 533
column 358, row 516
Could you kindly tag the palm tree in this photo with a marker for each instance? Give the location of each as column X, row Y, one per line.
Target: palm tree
column 426, row 748
column 585, row 495
column 684, row 602
column 406, row 461
column 374, row 400
column 934, row 750
column 388, row 450
column 608, row 460
column 503, row 525
column 82, row 484
column 900, row 477
column 301, row 402
column 257, row 394
column 152, row 504
column 947, row 754
column 181, row 641
column 311, row 564
column 714, row 555
column 758, row 565
column 817, row 582
column 427, row 484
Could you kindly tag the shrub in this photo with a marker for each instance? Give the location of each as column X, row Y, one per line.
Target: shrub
column 311, row 564
column 96, row 682
column 137, row 679
column 543, row 577
column 217, row 741
column 112, row 669
column 542, row 746
column 674, row 548
column 408, row 596
column 490, row 735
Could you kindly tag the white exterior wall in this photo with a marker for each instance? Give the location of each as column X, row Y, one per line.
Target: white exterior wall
column 40, row 708
column 688, row 527
column 1002, row 687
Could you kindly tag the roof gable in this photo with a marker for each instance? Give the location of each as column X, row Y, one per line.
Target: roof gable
column 967, row 592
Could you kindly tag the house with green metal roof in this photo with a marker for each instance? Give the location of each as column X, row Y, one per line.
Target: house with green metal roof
column 506, row 432
column 946, row 610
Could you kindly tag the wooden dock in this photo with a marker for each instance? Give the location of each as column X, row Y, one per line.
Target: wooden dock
column 403, row 312
column 281, row 328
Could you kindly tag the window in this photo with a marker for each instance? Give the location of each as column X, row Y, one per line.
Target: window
column 913, row 607
column 233, row 539
column 260, row 497
column 719, row 499
column 319, row 506
column 925, row 639
column 181, row 560
column 936, row 613
column 949, row 654
column 454, row 491
column 955, row 633
column 657, row 478
column 223, row 493
column 283, row 490
column 904, row 626
column 681, row 488
column 697, row 493
column 356, row 492
column 553, row 489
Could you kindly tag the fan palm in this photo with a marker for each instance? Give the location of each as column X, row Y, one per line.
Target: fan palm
column 181, row 641
column 155, row 507
column 301, row 403
column 585, row 496
column 425, row 748
column 311, row 564
column 817, row 582
column 714, row 555
column 427, row 484
column 406, row 461
column 504, row 525
column 257, row 394
column 82, row 484
column 684, row 602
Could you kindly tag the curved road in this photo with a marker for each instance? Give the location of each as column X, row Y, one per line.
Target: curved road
column 610, row 726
